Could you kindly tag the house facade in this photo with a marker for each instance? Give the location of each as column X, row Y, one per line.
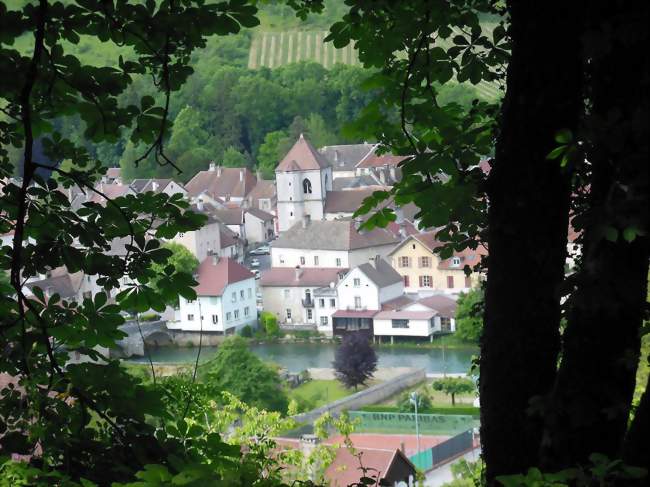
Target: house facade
column 203, row 241
column 291, row 293
column 259, row 225
column 335, row 243
column 424, row 271
column 225, row 302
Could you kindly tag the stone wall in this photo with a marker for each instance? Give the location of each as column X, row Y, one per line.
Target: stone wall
column 372, row 395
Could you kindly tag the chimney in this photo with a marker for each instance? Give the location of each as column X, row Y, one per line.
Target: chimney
column 154, row 186
column 215, row 257
column 382, row 175
column 298, row 272
column 241, row 175
column 402, row 229
column 199, row 204
column 218, row 171
column 393, row 173
column 305, row 221
column 374, row 261
column 211, row 166
column 258, row 175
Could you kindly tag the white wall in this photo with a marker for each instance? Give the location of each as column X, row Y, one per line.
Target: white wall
column 362, row 256
column 293, row 203
column 417, row 328
column 285, row 257
column 326, row 310
column 207, row 306
column 199, row 242
column 366, row 290
column 256, row 229
column 277, row 302
column 174, row 188
column 391, row 292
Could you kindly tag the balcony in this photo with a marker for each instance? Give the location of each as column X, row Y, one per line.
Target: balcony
column 308, row 303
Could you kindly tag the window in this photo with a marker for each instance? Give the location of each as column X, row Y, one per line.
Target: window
column 88, row 278
column 281, row 257
column 324, row 321
column 288, row 312
column 250, row 293
column 291, row 213
column 181, row 235
column 241, row 294
column 338, row 262
column 404, row 261
column 455, row 261
column 425, row 281
column 425, row 261
column 357, row 302
column 246, row 311
column 315, row 260
column 228, row 316
column 85, row 295
column 310, row 314
column 413, row 246
column 406, row 281
column 190, row 301
column 400, row 323
column 190, row 317
column 450, row 282
column 233, row 297
column 445, row 324
column 306, row 186
column 321, row 303
column 287, row 293
column 236, row 314
column 215, row 319
column 356, row 282
column 333, row 303
column 468, row 281
column 302, row 260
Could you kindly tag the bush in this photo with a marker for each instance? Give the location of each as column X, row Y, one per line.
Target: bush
column 469, row 316
column 149, row 317
column 246, row 331
column 304, row 334
column 424, row 403
column 270, row 324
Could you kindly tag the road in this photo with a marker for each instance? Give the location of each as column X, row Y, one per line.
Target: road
column 265, row 261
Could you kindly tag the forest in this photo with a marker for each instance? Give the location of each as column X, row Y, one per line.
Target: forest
column 565, row 150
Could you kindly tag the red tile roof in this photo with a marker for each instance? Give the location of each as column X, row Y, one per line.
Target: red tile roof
column 405, row 315
column 214, row 278
column 374, row 160
column 445, row 306
column 227, row 237
column 397, row 303
column 346, row 468
column 302, row 157
column 305, row 277
column 260, row 214
column 222, row 182
column 348, row 200
column 344, row 313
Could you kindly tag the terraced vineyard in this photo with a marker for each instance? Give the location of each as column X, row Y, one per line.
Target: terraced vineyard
column 273, row 49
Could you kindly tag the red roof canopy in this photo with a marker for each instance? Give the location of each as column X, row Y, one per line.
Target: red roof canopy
column 214, row 277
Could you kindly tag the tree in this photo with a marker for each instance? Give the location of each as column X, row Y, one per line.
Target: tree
column 355, row 360
column 271, row 152
column 181, row 260
column 469, row 316
column 454, row 385
column 239, row 371
column 406, row 404
column 233, row 158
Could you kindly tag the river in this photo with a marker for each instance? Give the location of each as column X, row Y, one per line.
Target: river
column 300, row 356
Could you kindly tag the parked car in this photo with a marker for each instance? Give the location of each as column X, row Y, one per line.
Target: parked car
column 255, row 263
column 263, row 250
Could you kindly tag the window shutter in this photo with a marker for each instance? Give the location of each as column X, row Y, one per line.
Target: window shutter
column 420, row 279
column 450, row 282
column 406, row 281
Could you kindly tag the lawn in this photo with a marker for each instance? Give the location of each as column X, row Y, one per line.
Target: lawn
column 317, row 393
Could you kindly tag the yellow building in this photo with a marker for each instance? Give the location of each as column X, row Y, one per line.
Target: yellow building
column 423, row 270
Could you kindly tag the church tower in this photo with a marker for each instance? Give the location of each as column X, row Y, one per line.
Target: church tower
column 303, row 179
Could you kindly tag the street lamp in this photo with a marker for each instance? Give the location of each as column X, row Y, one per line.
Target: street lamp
column 414, row 400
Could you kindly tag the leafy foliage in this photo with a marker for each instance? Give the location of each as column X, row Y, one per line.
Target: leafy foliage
column 270, row 324
column 181, row 261
column 239, row 371
column 406, row 405
column 454, row 385
column 469, row 315
column 355, row 361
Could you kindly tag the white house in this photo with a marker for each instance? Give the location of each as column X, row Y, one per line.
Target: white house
column 291, row 293
column 423, row 318
column 259, row 225
column 303, row 178
column 335, row 243
column 203, row 241
column 361, row 294
column 167, row 186
column 226, row 299
column 344, row 158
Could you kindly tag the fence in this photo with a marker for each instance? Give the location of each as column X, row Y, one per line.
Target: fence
column 404, row 423
column 444, row 451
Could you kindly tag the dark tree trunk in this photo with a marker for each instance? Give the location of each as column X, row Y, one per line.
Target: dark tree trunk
column 528, row 221
column 590, row 405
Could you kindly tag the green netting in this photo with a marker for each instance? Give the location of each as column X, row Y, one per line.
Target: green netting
column 423, row 460
column 404, row 423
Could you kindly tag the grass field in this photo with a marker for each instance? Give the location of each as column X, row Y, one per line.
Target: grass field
column 316, row 393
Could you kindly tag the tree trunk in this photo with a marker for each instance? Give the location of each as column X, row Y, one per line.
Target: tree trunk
column 453, row 399
column 528, row 221
column 590, row 405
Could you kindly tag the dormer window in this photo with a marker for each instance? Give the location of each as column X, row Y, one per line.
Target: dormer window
column 455, row 261
column 306, row 186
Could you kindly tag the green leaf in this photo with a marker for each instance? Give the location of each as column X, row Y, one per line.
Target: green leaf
column 629, row 234
column 557, row 152
column 564, row 136
column 611, row 234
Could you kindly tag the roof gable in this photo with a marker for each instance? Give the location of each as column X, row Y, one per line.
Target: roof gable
column 381, row 274
column 302, row 157
column 215, row 274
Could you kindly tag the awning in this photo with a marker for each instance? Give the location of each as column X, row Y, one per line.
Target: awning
column 355, row 313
